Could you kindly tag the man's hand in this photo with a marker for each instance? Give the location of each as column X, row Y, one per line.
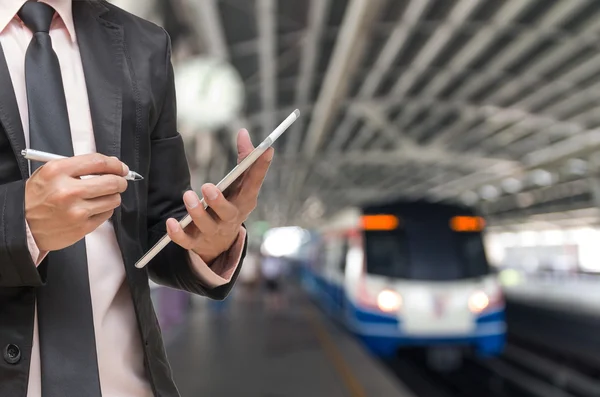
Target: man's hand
column 61, row 208
column 215, row 229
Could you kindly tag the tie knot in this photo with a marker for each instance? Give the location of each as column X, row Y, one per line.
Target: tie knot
column 36, row 16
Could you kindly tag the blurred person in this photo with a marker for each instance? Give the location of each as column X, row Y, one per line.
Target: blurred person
column 250, row 272
column 272, row 269
column 89, row 81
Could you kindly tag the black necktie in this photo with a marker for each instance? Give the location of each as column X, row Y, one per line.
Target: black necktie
column 67, row 341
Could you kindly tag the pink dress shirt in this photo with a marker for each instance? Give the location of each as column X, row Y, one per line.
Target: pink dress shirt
column 120, row 356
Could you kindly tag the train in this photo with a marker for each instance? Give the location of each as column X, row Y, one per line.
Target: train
column 410, row 274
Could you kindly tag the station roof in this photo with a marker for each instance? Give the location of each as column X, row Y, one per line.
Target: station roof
column 493, row 103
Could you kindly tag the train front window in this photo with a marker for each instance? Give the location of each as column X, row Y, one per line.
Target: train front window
column 423, row 252
column 387, row 253
column 471, row 252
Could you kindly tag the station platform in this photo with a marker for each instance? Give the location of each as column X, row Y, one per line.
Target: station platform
column 243, row 347
column 561, row 313
column 579, row 292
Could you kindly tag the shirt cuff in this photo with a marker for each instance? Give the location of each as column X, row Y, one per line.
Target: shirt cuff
column 223, row 268
column 37, row 256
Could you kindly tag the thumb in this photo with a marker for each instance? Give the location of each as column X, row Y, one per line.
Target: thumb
column 244, row 144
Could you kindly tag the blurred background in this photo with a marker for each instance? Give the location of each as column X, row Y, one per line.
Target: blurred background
column 429, row 226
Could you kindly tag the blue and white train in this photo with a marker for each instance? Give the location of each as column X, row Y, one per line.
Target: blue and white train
column 411, row 274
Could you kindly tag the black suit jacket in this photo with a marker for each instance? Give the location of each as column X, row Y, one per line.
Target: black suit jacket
column 129, row 78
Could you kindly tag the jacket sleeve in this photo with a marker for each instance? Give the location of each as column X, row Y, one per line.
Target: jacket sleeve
column 169, row 179
column 17, row 268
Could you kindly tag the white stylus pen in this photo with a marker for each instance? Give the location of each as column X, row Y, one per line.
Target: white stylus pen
column 224, row 184
column 44, row 157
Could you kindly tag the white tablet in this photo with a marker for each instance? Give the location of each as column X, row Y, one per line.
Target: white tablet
column 235, row 173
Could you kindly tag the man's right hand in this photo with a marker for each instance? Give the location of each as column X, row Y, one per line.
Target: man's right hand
column 61, row 208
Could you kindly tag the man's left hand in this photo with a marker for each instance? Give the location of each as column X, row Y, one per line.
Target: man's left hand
column 215, row 229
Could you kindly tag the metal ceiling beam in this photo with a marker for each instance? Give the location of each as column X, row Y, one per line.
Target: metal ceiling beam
column 528, row 215
column 210, row 31
column 469, row 52
column 316, row 24
column 249, row 47
column 209, row 28
column 516, row 48
column 267, row 55
column 509, row 12
column 419, row 155
column 538, row 196
column 396, row 42
column 560, row 11
column 344, row 59
column 585, row 141
column 409, row 150
column 317, row 19
column 443, row 34
column 556, row 89
column 492, row 112
column 476, row 179
column 577, row 143
column 346, row 54
column 475, row 45
column 377, row 120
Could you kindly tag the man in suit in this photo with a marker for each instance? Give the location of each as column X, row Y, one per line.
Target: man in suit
column 89, row 81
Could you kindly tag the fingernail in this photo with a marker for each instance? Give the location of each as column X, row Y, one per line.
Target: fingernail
column 125, row 169
column 212, row 192
column 191, row 200
column 172, row 225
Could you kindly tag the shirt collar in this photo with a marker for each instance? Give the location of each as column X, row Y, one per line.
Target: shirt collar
column 64, row 9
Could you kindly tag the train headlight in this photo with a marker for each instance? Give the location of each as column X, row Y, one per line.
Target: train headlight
column 389, row 301
column 478, row 301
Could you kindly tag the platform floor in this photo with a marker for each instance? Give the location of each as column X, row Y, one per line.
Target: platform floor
column 246, row 348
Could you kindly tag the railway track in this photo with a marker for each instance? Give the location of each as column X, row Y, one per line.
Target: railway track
column 520, row 372
column 551, row 352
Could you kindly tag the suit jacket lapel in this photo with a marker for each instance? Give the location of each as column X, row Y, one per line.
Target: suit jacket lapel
column 101, row 47
column 10, row 116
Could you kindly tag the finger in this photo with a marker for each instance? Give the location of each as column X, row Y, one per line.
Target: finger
column 103, row 204
column 201, row 218
column 178, row 235
column 87, row 164
column 98, row 219
column 224, row 209
column 256, row 174
column 244, row 144
column 101, row 185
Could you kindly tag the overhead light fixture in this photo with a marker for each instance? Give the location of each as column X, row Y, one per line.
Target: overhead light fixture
column 512, row 185
column 576, row 167
column 541, row 177
column 489, row 192
column 469, row 198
